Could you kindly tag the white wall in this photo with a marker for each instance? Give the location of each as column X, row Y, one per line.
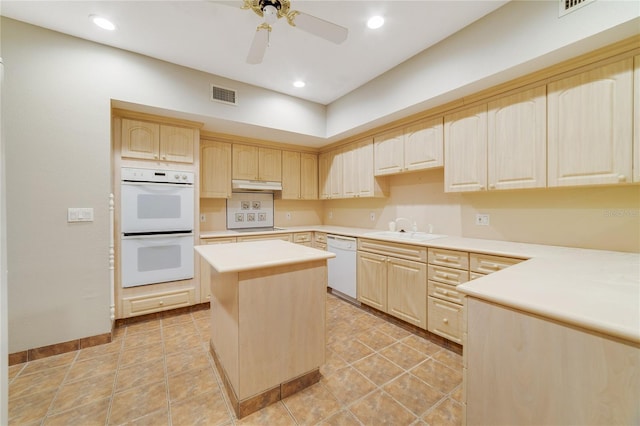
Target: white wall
column 4, row 316
column 516, row 39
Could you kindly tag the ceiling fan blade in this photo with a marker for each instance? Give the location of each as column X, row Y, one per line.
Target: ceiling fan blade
column 318, row 27
column 258, row 45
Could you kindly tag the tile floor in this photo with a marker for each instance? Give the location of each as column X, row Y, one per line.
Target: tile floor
column 160, row 373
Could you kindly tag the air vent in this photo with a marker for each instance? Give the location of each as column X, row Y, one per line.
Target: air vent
column 567, row 6
column 224, row 95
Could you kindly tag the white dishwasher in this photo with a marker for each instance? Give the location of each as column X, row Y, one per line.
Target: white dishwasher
column 342, row 268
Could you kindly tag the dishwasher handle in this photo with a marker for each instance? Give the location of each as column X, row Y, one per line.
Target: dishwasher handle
column 341, row 238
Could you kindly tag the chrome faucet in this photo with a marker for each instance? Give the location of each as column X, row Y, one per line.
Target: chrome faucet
column 408, row 225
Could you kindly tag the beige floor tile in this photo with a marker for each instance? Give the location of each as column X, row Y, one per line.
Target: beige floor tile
column 438, row 375
column 94, row 413
column 413, row 393
column 192, row 382
column 179, row 362
column 31, row 407
column 83, row 392
column 393, row 330
column 378, row 369
column 275, row 414
column 26, row 384
column 181, row 342
column 379, row 408
column 14, row 370
column 421, row 344
column 456, row 395
column 375, row 339
column 348, row 385
column 49, row 362
column 144, row 373
column 158, row 418
column 99, row 350
column 403, row 355
column 204, row 409
column 180, row 329
column 332, row 363
column 176, row 319
column 312, row 404
column 139, row 354
column 93, row 367
column 341, row 418
column 137, row 402
column 447, row 413
column 142, row 338
column 448, row 358
column 350, row 350
column 141, row 327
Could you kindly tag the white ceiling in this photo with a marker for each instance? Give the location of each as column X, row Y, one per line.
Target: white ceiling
column 214, row 36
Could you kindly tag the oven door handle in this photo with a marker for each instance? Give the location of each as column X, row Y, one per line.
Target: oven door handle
column 157, row 239
column 160, row 187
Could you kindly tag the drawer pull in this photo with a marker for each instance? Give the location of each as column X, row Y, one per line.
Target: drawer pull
column 491, row 266
column 445, row 292
column 446, row 321
column 161, row 303
column 444, row 258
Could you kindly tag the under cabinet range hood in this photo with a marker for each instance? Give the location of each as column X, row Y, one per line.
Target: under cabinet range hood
column 255, row 185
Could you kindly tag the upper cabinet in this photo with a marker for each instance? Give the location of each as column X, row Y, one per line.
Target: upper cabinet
column 591, row 126
column 299, row 176
column 215, row 169
column 636, row 120
column 517, row 140
column 257, row 163
column 145, row 140
column 415, row 147
column 465, row 150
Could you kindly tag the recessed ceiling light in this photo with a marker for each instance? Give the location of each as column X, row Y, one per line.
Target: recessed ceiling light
column 299, row 83
column 103, row 23
column 375, row 22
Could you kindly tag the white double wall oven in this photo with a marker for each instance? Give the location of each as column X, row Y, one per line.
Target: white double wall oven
column 157, row 226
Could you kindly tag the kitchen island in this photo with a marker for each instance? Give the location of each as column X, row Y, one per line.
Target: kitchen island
column 267, row 319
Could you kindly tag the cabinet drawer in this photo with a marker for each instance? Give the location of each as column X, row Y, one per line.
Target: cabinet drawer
column 302, row 237
column 403, row 251
column 448, row 275
column 445, row 292
column 319, row 246
column 218, row 240
column 445, row 319
column 141, row 305
column 320, row 237
column 450, row 258
column 475, row 275
column 284, row 237
column 486, row 264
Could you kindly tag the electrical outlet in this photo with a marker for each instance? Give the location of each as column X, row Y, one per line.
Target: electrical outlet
column 288, row 215
column 203, row 218
column 372, row 216
column 482, row 219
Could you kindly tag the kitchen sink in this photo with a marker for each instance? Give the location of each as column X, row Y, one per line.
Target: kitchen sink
column 404, row 236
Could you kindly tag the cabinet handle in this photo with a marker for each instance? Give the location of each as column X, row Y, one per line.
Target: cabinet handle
column 446, row 321
column 164, row 157
column 492, row 186
column 161, row 303
column 622, row 178
column 155, row 155
column 445, row 292
column 492, row 266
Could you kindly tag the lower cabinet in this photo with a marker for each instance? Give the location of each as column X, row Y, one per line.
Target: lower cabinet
column 303, row 238
column 147, row 304
column 392, row 279
column 205, row 269
column 320, row 240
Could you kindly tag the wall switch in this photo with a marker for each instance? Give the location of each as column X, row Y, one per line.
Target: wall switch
column 80, row 214
column 482, row 219
column 203, row 218
column 288, row 215
column 372, row 216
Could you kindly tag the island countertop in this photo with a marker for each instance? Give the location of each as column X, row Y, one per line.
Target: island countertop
column 246, row 256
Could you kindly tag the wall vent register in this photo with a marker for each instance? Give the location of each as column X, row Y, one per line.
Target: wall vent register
column 224, row 95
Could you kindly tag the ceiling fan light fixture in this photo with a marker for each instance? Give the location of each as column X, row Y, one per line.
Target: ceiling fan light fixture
column 375, row 22
column 270, row 14
column 299, row 84
column 103, row 23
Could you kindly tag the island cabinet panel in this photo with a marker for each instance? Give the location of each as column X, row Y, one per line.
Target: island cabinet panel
column 590, row 126
column 542, row 372
column 205, row 285
column 215, row 169
column 465, row 150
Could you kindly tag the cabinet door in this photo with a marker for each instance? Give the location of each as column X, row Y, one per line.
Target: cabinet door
column 324, row 175
column 517, row 144
column 245, row 162
column 590, row 127
column 215, row 169
column 350, row 172
column 308, row 176
column 205, row 268
column 336, row 174
column 140, row 139
column 636, row 121
column 368, row 186
column 423, row 145
column 372, row 280
column 176, row 143
column 270, row 164
column 290, row 175
column 465, row 150
column 407, row 291
column 389, row 153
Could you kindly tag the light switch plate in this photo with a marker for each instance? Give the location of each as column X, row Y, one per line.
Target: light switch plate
column 80, row 214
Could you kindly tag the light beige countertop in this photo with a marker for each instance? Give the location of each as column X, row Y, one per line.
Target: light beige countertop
column 236, row 257
column 594, row 289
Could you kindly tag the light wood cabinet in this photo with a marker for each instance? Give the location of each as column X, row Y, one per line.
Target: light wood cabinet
column 465, row 150
column 590, row 126
column 517, row 140
column 336, row 171
column 320, row 240
column 146, row 140
column 299, row 176
column 205, row 269
column 392, row 278
column 324, row 175
column 416, row 147
column 358, row 177
column 303, row 238
column 284, row 237
column 215, row 169
column 636, row 120
column 157, row 302
column 256, row 163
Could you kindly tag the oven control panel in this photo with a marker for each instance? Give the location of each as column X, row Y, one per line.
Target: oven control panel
column 157, row 176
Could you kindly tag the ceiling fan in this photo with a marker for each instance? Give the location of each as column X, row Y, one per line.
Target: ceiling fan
column 272, row 10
